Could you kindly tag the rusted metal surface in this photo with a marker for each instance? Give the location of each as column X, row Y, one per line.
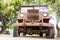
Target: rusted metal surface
column 33, row 24
column 33, row 19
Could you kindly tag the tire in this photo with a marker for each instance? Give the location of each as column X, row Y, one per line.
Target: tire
column 15, row 32
column 51, row 33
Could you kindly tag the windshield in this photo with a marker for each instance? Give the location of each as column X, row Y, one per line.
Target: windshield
column 42, row 9
column 24, row 9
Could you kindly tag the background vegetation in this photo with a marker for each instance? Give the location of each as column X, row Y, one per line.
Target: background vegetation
column 10, row 8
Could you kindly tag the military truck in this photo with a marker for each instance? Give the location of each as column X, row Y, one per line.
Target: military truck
column 33, row 19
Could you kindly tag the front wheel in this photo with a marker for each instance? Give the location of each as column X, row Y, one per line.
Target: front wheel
column 15, row 32
column 51, row 33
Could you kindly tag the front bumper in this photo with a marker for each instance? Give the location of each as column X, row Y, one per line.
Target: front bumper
column 33, row 24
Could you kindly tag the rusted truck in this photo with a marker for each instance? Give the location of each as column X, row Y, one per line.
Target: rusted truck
column 33, row 19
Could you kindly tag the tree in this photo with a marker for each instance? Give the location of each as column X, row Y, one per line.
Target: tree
column 8, row 10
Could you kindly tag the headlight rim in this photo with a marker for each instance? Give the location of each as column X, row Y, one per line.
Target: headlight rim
column 45, row 14
column 21, row 15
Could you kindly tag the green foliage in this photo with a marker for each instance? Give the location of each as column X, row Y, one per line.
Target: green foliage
column 9, row 9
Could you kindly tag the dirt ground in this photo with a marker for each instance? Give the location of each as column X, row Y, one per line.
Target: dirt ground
column 10, row 37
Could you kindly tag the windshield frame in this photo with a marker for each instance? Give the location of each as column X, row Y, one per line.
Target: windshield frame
column 33, row 7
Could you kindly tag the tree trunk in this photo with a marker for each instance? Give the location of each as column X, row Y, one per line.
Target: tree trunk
column 3, row 28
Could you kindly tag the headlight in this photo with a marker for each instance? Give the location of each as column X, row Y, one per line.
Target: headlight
column 21, row 15
column 44, row 14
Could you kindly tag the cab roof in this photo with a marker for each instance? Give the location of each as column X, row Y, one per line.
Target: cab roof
column 34, row 6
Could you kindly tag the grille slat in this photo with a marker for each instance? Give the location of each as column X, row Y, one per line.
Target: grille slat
column 33, row 15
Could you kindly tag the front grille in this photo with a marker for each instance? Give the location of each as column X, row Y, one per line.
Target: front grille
column 33, row 15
